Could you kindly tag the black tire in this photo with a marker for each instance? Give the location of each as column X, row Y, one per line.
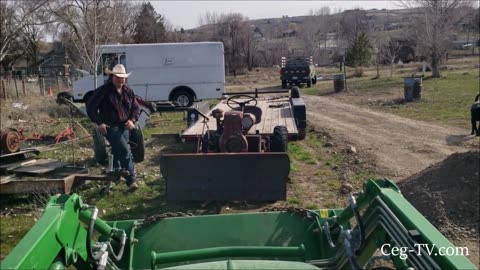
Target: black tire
column 99, row 147
column 137, row 144
column 314, row 81
column 284, row 84
column 295, row 92
column 62, row 96
column 309, row 82
column 182, row 98
column 279, row 139
column 302, row 133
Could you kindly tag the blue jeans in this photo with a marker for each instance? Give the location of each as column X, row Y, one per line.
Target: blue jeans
column 122, row 155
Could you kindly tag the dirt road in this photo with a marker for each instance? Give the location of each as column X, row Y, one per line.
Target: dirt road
column 400, row 146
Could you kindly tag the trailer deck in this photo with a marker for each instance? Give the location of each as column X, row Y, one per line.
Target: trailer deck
column 270, row 111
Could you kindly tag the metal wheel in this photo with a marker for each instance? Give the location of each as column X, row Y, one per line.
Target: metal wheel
column 10, row 141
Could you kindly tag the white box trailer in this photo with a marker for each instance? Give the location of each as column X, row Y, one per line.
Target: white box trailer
column 176, row 72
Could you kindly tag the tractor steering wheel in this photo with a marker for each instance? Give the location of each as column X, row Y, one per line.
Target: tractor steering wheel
column 242, row 104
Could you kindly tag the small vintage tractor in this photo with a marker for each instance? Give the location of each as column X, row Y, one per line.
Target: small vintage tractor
column 243, row 139
column 377, row 224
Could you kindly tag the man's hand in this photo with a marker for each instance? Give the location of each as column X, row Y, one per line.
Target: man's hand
column 130, row 125
column 102, row 129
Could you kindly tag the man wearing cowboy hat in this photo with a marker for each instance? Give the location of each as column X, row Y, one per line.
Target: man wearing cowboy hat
column 114, row 108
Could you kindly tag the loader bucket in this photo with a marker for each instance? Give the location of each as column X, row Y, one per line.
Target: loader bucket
column 225, row 176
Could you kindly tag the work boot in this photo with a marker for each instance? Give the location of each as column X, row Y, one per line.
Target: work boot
column 132, row 187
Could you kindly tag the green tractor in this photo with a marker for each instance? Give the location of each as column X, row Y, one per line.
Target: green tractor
column 376, row 219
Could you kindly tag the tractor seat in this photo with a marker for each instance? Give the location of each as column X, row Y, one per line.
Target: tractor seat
column 253, row 110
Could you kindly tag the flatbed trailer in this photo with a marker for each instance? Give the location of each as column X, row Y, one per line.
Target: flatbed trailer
column 273, row 109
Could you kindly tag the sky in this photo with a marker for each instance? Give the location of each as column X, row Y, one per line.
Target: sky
column 186, row 13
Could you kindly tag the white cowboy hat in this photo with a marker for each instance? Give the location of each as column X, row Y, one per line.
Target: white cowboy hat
column 118, row 70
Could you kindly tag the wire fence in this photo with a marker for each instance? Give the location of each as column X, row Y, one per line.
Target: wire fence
column 16, row 87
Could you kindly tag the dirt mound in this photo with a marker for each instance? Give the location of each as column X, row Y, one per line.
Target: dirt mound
column 447, row 194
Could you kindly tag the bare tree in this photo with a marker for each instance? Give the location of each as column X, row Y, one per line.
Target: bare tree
column 314, row 31
column 386, row 48
column 390, row 51
column 173, row 33
column 15, row 15
column 33, row 34
column 84, row 24
column 232, row 32
column 127, row 11
column 352, row 23
column 432, row 26
column 208, row 18
column 252, row 41
column 309, row 33
column 21, row 27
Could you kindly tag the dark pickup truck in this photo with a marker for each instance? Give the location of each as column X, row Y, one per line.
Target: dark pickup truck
column 298, row 70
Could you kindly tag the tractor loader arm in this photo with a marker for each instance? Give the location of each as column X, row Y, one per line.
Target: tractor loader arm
column 62, row 237
column 377, row 218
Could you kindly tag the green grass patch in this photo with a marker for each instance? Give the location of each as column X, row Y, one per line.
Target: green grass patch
column 164, row 123
column 444, row 100
column 298, row 153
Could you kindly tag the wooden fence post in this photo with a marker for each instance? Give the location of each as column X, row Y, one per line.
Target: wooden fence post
column 4, row 89
column 23, row 87
column 42, row 87
column 16, row 88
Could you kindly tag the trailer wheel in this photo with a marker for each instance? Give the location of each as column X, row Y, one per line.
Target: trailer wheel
column 284, row 84
column 99, row 147
column 62, row 96
column 309, row 82
column 301, row 134
column 137, row 144
column 295, row 92
column 314, row 81
column 182, row 98
column 279, row 139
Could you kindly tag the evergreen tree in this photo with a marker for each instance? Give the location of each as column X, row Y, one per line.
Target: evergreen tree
column 359, row 52
column 149, row 26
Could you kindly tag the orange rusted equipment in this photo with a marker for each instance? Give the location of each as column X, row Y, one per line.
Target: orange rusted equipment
column 66, row 133
column 10, row 140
